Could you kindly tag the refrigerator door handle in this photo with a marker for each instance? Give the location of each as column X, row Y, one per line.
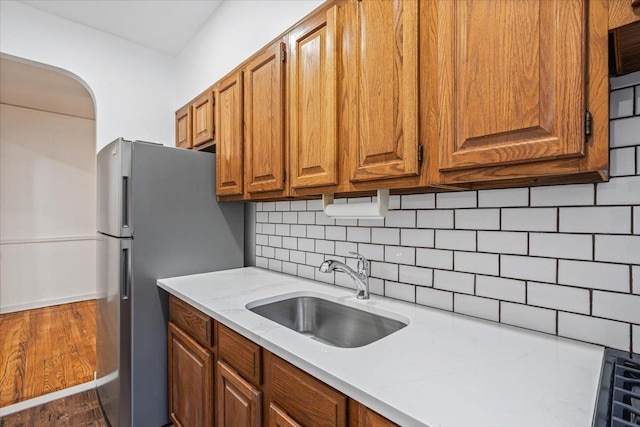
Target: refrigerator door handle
column 125, row 280
column 125, row 202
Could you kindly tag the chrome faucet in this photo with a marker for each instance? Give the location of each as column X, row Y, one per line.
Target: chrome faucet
column 361, row 276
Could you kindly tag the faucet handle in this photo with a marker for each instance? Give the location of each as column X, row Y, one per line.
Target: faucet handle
column 363, row 263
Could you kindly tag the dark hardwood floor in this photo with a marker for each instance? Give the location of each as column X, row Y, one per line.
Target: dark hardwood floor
column 46, row 350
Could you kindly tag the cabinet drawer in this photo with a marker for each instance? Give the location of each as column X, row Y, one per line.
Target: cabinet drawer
column 241, row 354
column 193, row 321
column 307, row 400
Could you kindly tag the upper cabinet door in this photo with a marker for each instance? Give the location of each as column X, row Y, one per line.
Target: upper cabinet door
column 386, row 80
column 229, row 157
column 183, row 127
column 264, row 113
column 312, row 109
column 511, row 81
column 203, row 118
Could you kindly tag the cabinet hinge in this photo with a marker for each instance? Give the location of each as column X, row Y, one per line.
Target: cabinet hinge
column 420, row 156
column 284, row 175
column 588, row 124
column 284, row 55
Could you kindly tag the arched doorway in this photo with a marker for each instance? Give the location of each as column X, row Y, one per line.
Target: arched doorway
column 47, row 230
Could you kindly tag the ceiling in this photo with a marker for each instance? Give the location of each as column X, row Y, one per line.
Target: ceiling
column 29, row 86
column 164, row 25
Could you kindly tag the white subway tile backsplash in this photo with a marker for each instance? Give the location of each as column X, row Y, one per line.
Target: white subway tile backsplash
column 307, row 271
column 477, row 219
column 591, row 329
column 559, row 297
column 347, row 222
column 307, row 217
column 435, row 219
column 275, row 241
column 501, row 289
column 621, row 103
column 510, row 197
column 335, row 232
column 434, row 298
column 635, row 274
column 325, row 247
column 269, row 206
column 344, row 248
column 384, row 270
column 434, row 258
column 371, row 222
column 557, row 245
column 385, row 236
column 624, row 81
column 624, row 132
column 474, row 262
column 539, row 319
column 619, row 191
column 371, row 252
column 618, row 249
column 262, row 216
column 416, row 275
column 528, row 268
column 282, row 254
column 359, row 234
column 616, row 306
column 298, row 230
column 298, row 257
column 290, row 268
column 623, row 162
column 315, row 231
column 504, row 242
column 299, row 205
column 262, row 262
column 314, row 259
column 325, row 277
column 275, row 265
column 268, row 252
column 269, row 228
column 307, row 245
column 529, row 219
column 400, row 255
column 607, row 219
column 406, row 219
column 283, row 206
column 419, row 201
column 638, row 153
column 262, row 239
column 563, row 195
column 322, row 219
column 275, row 217
column 315, row 205
column 456, row 239
column 394, row 201
column 417, row 238
column 594, row 275
column 484, row 308
column 290, row 217
column 400, row 291
column 290, row 243
column 283, row 229
column 453, row 281
column 466, row 199
column 636, row 218
column 636, row 332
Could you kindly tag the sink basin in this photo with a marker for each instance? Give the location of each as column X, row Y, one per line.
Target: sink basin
column 328, row 322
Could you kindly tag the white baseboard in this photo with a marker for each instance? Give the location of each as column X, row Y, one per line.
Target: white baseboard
column 45, row 303
column 40, row 400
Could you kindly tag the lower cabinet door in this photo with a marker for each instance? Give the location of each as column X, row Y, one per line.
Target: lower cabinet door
column 279, row 418
column 239, row 404
column 190, row 380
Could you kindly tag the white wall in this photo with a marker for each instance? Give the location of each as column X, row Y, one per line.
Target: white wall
column 236, row 31
column 133, row 86
column 47, row 208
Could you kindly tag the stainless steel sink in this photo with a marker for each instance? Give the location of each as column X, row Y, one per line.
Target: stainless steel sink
column 328, row 322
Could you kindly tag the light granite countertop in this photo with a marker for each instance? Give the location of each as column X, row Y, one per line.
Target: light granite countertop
column 442, row 370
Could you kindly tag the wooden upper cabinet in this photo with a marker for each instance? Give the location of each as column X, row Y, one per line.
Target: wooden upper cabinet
column 623, row 12
column 385, row 42
column 511, row 81
column 202, row 114
column 239, row 404
column 190, row 380
column 264, row 120
column 183, row 127
column 229, row 144
column 312, row 108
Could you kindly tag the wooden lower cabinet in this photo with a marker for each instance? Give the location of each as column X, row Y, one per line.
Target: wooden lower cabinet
column 190, row 380
column 239, row 404
column 252, row 387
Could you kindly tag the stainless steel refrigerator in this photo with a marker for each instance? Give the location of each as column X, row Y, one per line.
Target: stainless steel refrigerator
column 157, row 217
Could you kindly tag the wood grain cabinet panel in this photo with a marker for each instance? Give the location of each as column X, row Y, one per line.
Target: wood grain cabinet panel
column 386, row 82
column 312, row 108
column 239, row 404
column 623, row 12
column 191, row 320
column 264, row 120
column 279, row 418
column 183, row 127
column 361, row 416
column 190, row 380
column 202, row 114
column 241, row 354
column 229, row 125
column 511, row 78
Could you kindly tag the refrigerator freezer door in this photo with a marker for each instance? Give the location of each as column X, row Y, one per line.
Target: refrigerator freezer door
column 114, row 189
column 113, row 322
